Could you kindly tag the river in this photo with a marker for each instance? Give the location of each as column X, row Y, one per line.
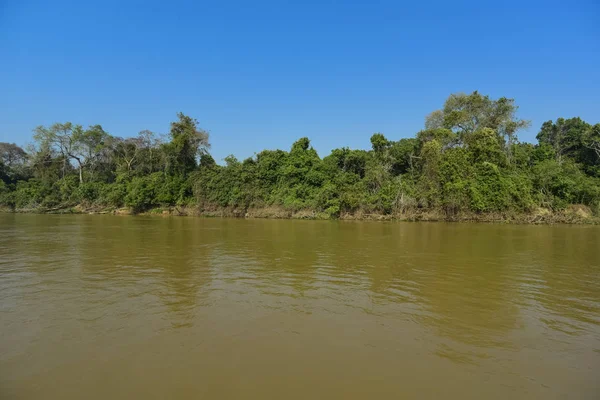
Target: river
column 121, row 307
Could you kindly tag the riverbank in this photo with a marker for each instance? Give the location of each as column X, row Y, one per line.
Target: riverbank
column 573, row 214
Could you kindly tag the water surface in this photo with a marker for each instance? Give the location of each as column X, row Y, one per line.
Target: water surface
column 100, row 307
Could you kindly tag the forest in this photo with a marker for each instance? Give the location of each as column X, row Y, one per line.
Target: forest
column 467, row 163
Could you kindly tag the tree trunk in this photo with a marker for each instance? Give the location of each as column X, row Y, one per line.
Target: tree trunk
column 80, row 164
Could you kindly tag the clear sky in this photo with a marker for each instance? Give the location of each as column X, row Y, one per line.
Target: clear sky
column 260, row 74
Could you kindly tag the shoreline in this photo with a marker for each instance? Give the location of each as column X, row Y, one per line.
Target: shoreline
column 572, row 215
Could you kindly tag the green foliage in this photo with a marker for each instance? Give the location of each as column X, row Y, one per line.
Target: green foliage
column 379, row 143
column 566, row 137
column 89, row 192
column 467, row 159
column 157, row 189
column 490, row 190
column 112, row 195
column 187, row 144
column 456, row 173
column 13, row 163
column 485, row 147
column 560, row 184
column 29, row 194
column 466, row 114
column 402, row 154
column 141, row 194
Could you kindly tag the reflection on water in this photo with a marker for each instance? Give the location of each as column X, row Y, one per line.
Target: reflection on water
column 121, row 307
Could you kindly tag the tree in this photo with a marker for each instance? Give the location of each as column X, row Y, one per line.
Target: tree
column 484, row 147
column 434, row 120
column 59, row 137
column 13, row 160
column 566, row 136
column 466, row 160
column 72, row 142
column 591, row 140
column 465, row 114
column 139, row 150
column 45, row 163
column 379, row 143
column 188, row 143
column 403, row 152
column 87, row 147
column 12, row 155
column 429, row 182
column 127, row 151
column 444, row 136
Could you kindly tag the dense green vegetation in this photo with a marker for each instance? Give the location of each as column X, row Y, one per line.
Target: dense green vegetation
column 467, row 160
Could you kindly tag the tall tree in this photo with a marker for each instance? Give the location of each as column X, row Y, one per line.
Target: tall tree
column 188, row 143
column 566, row 137
column 14, row 159
column 72, row 142
column 88, row 147
column 59, row 137
column 467, row 113
column 12, row 155
column 592, row 140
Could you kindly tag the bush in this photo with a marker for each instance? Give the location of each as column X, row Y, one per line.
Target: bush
column 89, row 192
column 141, row 194
column 28, row 194
column 564, row 183
column 113, row 195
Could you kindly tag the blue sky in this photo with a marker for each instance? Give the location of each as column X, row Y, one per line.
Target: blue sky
column 261, row 74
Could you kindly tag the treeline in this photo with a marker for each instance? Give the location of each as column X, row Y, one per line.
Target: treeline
column 467, row 160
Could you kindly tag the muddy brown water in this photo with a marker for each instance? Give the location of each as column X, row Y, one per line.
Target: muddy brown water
column 121, row 307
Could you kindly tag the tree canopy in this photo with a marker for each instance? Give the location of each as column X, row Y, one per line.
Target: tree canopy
column 466, row 159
